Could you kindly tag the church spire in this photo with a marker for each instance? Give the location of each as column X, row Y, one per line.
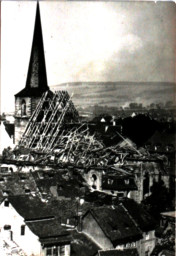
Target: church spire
column 37, row 70
column 36, row 82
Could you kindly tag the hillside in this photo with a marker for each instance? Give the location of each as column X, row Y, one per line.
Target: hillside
column 118, row 94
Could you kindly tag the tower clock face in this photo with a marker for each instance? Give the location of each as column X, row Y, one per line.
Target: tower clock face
column 35, row 68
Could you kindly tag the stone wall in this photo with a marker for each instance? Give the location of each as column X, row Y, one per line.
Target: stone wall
column 20, row 126
column 20, row 119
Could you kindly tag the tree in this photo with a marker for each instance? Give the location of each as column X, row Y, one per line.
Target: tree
column 159, row 200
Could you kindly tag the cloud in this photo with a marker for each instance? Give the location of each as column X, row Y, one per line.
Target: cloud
column 131, row 43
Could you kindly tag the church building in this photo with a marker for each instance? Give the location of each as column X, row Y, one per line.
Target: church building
column 36, row 83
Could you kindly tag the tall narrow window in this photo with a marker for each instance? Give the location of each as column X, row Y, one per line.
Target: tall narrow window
column 49, row 251
column 23, row 108
column 6, row 203
column 62, row 250
column 55, row 251
column 22, row 230
column 11, row 235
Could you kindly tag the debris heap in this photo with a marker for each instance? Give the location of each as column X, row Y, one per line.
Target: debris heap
column 79, row 147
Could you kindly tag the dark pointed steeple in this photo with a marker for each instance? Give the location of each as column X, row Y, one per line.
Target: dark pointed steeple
column 36, row 82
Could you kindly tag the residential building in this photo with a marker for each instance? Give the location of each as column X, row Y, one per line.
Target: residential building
column 122, row 226
column 28, row 223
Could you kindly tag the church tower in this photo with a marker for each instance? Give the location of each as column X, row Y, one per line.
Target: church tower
column 36, row 83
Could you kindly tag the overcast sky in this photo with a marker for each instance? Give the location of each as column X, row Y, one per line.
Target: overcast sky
column 88, row 41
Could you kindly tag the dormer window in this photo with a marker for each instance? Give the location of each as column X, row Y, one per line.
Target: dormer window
column 23, row 108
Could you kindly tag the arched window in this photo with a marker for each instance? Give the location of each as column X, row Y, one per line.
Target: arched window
column 23, row 108
column 11, row 169
column 94, row 181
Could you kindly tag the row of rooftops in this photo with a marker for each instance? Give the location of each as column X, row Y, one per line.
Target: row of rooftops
column 121, row 223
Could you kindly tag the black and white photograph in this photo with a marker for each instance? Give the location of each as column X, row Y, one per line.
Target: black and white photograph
column 87, row 128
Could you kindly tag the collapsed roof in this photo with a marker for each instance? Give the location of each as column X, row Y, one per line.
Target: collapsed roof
column 44, row 126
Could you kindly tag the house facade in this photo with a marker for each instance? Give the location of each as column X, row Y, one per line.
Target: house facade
column 14, row 228
column 115, row 228
column 41, row 236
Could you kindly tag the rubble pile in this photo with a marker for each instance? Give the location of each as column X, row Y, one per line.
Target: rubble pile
column 77, row 146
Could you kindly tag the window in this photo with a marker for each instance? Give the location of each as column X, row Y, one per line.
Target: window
column 62, row 250
column 6, row 203
column 49, row 251
column 94, row 181
column 94, row 177
column 27, row 191
column 11, row 235
column 11, row 169
column 147, row 236
column 55, row 251
column 22, row 230
column 7, row 227
column 127, row 182
column 110, row 181
column 120, row 194
column 23, row 108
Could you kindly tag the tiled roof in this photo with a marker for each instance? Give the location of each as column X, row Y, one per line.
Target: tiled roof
column 125, row 252
column 116, row 224
column 98, row 198
column 140, row 215
column 64, row 185
column 47, row 228
column 29, row 207
column 15, row 185
column 164, row 138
